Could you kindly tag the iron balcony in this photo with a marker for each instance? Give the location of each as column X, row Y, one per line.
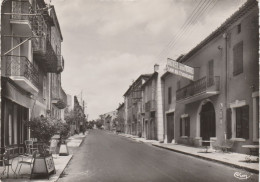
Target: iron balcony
column 59, row 99
column 202, row 88
column 22, row 72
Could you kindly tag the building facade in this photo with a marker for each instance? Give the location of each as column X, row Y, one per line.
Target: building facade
column 121, row 118
column 31, row 63
column 133, row 106
column 223, row 100
column 152, row 122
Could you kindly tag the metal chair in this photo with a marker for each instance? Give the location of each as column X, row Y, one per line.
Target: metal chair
column 7, row 162
column 27, row 160
column 29, row 147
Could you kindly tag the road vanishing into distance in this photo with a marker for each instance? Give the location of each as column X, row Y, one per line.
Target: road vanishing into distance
column 107, row 157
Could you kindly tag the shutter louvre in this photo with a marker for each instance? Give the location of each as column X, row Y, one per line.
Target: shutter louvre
column 229, row 121
column 245, row 121
column 180, row 127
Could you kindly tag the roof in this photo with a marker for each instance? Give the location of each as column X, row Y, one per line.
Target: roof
column 56, row 21
column 238, row 14
column 149, row 80
column 120, row 106
column 145, row 76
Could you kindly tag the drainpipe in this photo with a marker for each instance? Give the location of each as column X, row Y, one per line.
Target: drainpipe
column 225, row 36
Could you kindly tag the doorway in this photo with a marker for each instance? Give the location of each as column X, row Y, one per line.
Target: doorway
column 207, row 121
column 170, row 127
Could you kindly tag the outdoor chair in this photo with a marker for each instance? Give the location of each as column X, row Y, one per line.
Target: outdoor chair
column 27, row 160
column 7, row 162
column 226, row 145
column 29, row 148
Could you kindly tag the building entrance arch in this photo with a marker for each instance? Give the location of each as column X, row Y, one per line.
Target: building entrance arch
column 207, row 121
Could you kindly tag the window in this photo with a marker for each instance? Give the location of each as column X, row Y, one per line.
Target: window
column 238, row 59
column 185, row 126
column 178, row 84
column 210, row 75
column 169, row 95
column 242, row 123
column 255, row 96
column 238, row 28
column 238, row 120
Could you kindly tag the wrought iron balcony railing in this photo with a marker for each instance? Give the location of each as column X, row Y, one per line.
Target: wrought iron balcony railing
column 59, row 97
column 21, row 66
column 150, row 106
column 25, row 11
column 197, row 87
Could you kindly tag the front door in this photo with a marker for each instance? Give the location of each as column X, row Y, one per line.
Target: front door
column 170, row 127
column 207, row 121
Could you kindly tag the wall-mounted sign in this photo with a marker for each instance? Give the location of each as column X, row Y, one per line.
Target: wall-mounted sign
column 179, row 69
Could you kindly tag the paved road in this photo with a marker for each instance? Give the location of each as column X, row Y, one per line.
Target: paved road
column 106, row 157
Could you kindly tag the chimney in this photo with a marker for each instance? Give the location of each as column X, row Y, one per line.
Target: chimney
column 156, row 67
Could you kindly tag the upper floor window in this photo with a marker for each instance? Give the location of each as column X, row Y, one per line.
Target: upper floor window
column 238, row 28
column 210, row 73
column 238, row 59
column 169, row 95
column 178, row 84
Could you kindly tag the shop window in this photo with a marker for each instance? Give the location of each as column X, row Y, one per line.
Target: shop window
column 169, row 95
column 239, row 115
column 185, row 126
column 238, row 59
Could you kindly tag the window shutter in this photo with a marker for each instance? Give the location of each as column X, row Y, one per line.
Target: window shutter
column 245, row 121
column 229, row 121
column 187, row 132
column 180, row 127
column 238, row 59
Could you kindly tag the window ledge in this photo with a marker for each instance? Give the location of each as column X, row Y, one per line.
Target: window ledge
column 184, row 137
column 238, row 139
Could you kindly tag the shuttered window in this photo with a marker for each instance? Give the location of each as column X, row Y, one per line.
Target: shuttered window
column 229, row 123
column 210, row 73
column 238, row 59
column 242, row 122
column 185, row 126
column 180, row 127
column 169, row 95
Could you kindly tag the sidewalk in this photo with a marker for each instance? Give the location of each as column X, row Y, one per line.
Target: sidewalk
column 60, row 164
column 231, row 159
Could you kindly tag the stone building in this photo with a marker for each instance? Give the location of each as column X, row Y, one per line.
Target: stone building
column 222, row 102
column 31, row 67
column 133, row 106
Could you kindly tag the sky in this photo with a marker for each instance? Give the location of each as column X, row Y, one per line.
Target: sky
column 108, row 43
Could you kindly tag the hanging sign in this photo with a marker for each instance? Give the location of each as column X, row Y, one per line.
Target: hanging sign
column 179, row 69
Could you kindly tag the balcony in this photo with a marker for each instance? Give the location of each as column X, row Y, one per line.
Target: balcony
column 45, row 54
column 200, row 89
column 59, row 99
column 24, row 21
column 22, row 72
column 60, row 66
column 20, row 18
column 150, row 106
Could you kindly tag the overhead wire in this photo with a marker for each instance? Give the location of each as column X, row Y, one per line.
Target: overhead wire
column 191, row 21
column 188, row 33
column 183, row 26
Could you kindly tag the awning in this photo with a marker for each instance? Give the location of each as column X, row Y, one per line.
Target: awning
column 10, row 92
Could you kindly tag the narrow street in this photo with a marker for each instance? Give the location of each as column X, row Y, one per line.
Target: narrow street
column 106, row 157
